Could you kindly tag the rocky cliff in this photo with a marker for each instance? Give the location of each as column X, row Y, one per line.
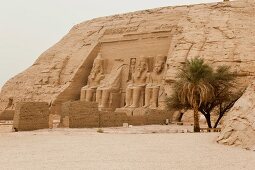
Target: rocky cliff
column 222, row 33
column 239, row 126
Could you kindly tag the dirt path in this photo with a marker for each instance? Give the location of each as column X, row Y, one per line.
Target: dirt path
column 87, row 149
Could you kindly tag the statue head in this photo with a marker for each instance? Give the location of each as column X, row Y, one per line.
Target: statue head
column 98, row 64
column 159, row 64
column 133, row 61
column 142, row 64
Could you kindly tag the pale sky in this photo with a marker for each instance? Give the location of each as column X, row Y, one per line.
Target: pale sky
column 29, row 27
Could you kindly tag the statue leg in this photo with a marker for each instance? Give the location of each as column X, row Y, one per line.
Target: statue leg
column 147, row 97
column 136, row 97
column 155, row 94
column 99, row 97
column 128, row 97
column 89, row 95
column 105, row 98
column 83, row 95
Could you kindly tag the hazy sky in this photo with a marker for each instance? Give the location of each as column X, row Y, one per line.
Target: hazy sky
column 29, row 27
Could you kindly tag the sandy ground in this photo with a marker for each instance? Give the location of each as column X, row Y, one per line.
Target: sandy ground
column 142, row 148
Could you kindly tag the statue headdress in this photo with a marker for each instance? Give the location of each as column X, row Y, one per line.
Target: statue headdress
column 99, row 61
column 160, row 59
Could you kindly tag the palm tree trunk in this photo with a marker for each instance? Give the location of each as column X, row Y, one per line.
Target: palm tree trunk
column 196, row 118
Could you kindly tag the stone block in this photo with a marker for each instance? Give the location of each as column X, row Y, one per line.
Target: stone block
column 31, row 116
column 112, row 119
column 7, row 115
column 140, row 112
column 54, row 121
column 71, row 111
column 128, row 111
column 65, row 122
column 143, row 116
column 125, row 125
column 88, row 119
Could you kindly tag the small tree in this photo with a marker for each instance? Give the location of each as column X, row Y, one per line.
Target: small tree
column 221, row 98
column 225, row 95
column 193, row 87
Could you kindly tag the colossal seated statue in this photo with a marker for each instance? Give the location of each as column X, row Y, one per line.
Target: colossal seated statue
column 154, row 83
column 110, row 87
column 136, row 85
column 94, row 79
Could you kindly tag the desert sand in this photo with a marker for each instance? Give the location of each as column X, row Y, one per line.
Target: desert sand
column 143, row 147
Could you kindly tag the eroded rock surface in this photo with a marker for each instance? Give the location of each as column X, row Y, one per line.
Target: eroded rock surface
column 239, row 126
column 222, row 33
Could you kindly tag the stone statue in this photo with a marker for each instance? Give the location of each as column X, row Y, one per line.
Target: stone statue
column 94, row 79
column 154, row 83
column 111, row 84
column 137, row 83
column 131, row 68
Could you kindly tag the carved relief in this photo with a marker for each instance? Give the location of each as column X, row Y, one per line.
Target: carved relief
column 164, row 27
column 112, row 31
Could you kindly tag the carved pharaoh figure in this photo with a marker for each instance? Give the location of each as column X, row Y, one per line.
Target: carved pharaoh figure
column 111, row 84
column 94, row 79
column 155, row 83
column 137, row 83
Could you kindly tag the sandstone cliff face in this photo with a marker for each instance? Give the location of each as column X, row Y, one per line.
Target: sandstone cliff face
column 222, row 33
column 239, row 126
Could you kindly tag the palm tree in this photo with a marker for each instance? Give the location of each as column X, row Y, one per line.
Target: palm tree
column 193, row 86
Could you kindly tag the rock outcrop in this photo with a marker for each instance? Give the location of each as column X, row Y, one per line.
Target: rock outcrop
column 239, row 125
column 222, row 33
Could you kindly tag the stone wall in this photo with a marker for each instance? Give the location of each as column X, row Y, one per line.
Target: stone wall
column 31, row 116
column 83, row 114
column 73, row 114
column 93, row 118
column 7, row 115
column 112, row 119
